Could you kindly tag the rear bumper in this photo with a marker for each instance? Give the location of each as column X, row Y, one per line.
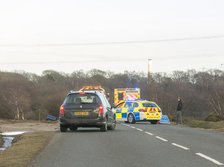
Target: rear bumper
column 82, row 122
column 150, row 117
column 153, row 118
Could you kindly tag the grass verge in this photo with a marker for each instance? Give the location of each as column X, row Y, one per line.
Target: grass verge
column 24, row 149
column 1, row 141
column 205, row 124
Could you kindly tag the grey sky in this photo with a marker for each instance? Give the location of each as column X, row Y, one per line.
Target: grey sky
column 40, row 22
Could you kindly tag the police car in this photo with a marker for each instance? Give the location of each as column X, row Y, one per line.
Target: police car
column 138, row 110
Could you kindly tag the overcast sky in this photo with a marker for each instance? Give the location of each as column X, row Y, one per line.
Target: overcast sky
column 53, row 34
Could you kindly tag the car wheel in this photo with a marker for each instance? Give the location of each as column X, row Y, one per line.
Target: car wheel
column 63, row 128
column 154, row 122
column 73, row 128
column 131, row 119
column 104, row 127
column 113, row 125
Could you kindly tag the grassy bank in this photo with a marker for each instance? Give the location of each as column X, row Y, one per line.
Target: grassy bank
column 24, row 149
column 204, row 124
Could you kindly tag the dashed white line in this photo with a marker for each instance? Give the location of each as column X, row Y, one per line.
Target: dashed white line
column 139, row 129
column 149, row 133
column 210, row 159
column 180, row 146
column 160, row 138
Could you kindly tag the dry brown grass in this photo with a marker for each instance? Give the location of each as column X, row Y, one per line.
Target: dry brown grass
column 12, row 121
column 24, row 149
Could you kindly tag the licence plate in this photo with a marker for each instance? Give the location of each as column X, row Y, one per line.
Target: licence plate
column 81, row 113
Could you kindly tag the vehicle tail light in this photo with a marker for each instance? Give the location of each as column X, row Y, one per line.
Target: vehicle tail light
column 101, row 110
column 142, row 110
column 62, row 111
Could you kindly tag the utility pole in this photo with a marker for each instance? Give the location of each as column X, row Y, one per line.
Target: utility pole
column 149, row 71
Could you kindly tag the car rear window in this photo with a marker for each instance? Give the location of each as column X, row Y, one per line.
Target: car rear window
column 87, row 98
column 149, row 105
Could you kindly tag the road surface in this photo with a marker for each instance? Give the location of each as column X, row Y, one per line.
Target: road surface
column 135, row 145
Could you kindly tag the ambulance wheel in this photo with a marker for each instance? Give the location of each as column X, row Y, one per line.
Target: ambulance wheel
column 131, row 119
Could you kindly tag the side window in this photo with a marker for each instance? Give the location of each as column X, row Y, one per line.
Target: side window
column 69, row 99
column 128, row 105
column 105, row 101
column 135, row 105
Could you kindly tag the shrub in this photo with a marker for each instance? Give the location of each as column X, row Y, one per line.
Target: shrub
column 212, row 117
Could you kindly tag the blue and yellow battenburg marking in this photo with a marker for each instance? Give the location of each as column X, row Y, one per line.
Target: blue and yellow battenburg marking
column 149, row 113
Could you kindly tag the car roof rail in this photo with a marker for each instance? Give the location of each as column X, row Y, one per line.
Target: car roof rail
column 71, row 91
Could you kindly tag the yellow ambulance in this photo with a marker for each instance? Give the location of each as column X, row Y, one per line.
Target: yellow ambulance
column 122, row 94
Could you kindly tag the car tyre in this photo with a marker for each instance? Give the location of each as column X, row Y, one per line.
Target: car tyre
column 104, row 127
column 63, row 128
column 131, row 119
column 113, row 125
column 73, row 128
column 154, row 122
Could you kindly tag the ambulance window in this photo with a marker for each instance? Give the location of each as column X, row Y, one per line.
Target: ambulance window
column 120, row 96
column 135, row 105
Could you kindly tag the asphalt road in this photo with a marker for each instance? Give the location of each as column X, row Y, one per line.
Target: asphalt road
column 137, row 145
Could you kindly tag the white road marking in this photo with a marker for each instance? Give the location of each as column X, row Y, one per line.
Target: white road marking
column 149, row 133
column 180, row 146
column 210, row 159
column 160, row 138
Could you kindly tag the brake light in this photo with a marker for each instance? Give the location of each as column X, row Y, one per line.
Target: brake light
column 62, row 110
column 142, row 110
column 101, row 110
